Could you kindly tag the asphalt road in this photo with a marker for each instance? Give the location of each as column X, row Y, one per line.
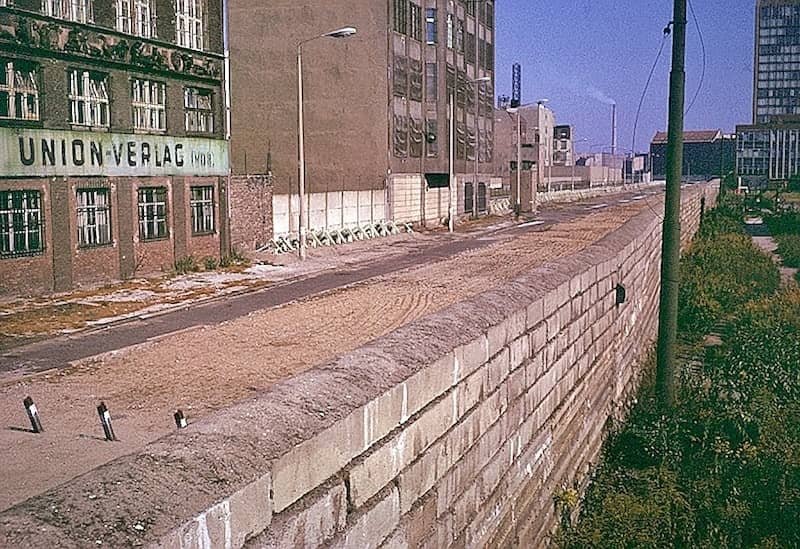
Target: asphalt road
column 59, row 352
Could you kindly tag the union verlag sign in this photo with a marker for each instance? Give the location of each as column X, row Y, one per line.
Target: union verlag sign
column 33, row 152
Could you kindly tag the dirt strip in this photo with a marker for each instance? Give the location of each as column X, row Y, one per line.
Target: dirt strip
column 207, row 368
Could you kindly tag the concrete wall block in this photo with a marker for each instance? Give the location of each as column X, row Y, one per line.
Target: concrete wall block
column 534, row 314
column 497, row 370
column 313, row 461
column 384, row 413
column 516, row 384
column 517, row 324
column 498, row 337
column 575, row 287
column 370, row 528
column 419, row 477
column 429, row 383
column 538, row 337
column 520, row 351
column 250, row 510
column 470, row 357
column 371, row 474
column 311, row 526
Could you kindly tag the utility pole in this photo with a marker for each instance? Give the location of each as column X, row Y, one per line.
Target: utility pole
column 671, row 241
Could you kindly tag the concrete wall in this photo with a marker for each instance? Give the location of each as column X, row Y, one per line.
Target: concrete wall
column 460, row 439
column 329, row 210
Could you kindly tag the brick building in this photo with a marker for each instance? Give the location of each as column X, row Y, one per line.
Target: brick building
column 376, row 105
column 112, row 138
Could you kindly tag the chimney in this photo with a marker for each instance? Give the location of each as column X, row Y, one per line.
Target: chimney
column 613, row 129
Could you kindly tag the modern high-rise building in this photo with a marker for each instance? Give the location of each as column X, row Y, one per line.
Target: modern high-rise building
column 776, row 74
column 376, row 106
column 768, row 150
column 112, row 139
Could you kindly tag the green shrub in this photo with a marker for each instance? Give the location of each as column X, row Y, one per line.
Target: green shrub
column 719, row 275
column 789, row 249
column 210, row 263
column 235, row 257
column 186, row 265
column 787, row 222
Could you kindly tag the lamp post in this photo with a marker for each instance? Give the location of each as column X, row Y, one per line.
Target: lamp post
column 344, row 32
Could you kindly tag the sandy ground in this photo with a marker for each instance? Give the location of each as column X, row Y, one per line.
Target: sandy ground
column 208, row 368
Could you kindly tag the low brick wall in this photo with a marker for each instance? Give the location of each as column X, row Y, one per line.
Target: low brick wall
column 455, row 430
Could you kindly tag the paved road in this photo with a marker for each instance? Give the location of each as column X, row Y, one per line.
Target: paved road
column 59, row 352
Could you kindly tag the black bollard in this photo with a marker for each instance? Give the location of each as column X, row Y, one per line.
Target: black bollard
column 105, row 420
column 33, row 415
column 180, row 420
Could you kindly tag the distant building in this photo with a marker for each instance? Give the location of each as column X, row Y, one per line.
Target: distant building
column 376, row 106
column 767, row 150
column 563, row 152
column 113, row 138
column 706, row 153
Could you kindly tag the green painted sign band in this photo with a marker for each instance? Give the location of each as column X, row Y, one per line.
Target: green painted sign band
column 36, row 153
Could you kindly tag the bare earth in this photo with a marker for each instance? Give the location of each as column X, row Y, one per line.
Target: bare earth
column 209, row 368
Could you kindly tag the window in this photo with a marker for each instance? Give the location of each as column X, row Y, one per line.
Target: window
column 431, row 82
column 488, row 15
column 471, row 6
column 415, row 22
column 460, row 36
column 199, row 110
column 88, row 98
column 94, row 217
column 19, row 93
column 152, row 213
column 20, row 223
column 450, row 25
column 73, row 10
column 431, row 130
column 189, row 23
column 202, row 204
column 136, row 17
column 431, row 32
column 400, row 16
column 149, row 112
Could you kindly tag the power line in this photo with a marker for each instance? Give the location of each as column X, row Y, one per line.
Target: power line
column 703, row 49
column 647, row 86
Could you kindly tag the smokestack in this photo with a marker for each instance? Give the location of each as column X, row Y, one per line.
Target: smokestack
column 614, row 129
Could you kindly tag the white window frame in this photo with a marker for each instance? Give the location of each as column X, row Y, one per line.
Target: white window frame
column 21, row 226
column 136, row 17
column 79, row 11
column 88, row 99
column 152, row 203
column 148, row 100
column 21, row 89
column 94, row 217
column 201, row 202
column 189, row 23
column 199, row 118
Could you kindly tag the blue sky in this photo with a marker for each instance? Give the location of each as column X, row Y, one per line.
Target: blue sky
column 572, row 51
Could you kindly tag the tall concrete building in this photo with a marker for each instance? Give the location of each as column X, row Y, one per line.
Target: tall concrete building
column 112, row 139
column 776, row 74
column 376, row 105
column 768, row 150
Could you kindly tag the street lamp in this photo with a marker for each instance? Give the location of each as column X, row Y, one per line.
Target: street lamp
column 451, row 209
column 344, row 32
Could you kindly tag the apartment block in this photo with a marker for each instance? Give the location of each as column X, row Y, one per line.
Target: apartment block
column 112, row 137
